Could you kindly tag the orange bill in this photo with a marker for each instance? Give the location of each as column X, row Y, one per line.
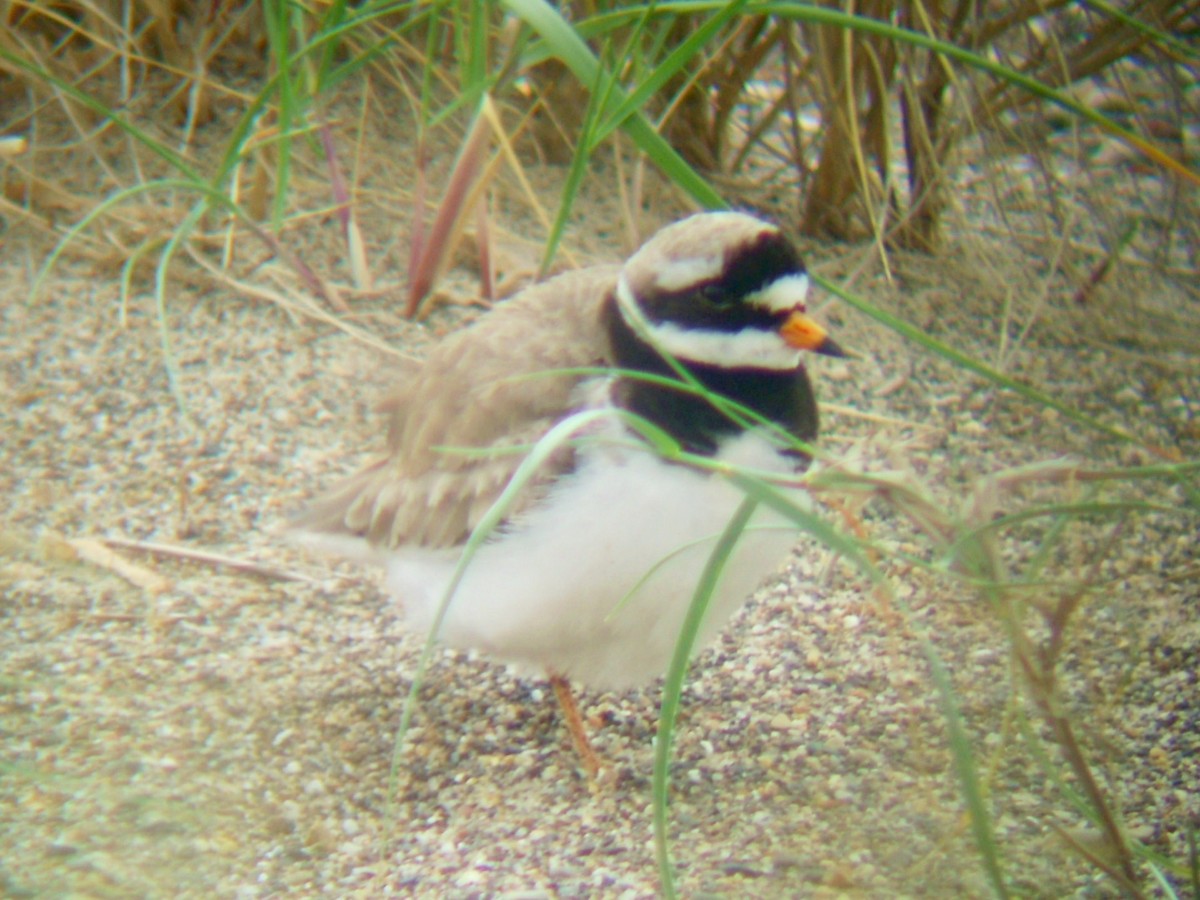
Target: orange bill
column 803, row 333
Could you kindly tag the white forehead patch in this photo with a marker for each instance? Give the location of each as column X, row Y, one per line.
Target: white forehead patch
column 677, row 274
column 782, row 295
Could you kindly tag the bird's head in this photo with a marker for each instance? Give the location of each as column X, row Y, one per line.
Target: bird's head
column 723, row 289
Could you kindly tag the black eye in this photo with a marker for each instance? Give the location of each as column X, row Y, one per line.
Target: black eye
column 715, row 295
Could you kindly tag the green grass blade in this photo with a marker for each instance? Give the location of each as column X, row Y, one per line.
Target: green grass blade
column 964, row 766
column 822, row 15
column 175, row 160
column 558, row 43
column 555, row 438
column 575, row 176
column 966, row 361
column 568, row 46
column 673, row 686
column 669, row 67
column 1184, row 49
column 807, row 521
column 1068, row 512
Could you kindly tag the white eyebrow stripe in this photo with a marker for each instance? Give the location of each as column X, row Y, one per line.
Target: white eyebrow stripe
column 782, row 295
column 677, row 274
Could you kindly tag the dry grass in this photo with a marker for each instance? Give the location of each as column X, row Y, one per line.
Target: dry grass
column 260, row 174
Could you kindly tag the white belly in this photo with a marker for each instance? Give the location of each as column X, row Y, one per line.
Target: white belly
column 595, row 582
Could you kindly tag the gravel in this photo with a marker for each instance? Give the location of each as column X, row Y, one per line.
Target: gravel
column 186, row 729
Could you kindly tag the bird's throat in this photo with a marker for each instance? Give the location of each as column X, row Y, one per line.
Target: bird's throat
column 782, row 397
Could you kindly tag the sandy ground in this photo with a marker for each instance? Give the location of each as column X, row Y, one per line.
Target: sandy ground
column 176, row 728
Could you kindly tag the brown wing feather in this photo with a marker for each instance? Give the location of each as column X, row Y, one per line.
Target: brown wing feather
column 469, row 393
